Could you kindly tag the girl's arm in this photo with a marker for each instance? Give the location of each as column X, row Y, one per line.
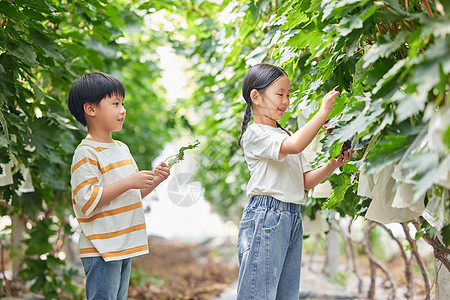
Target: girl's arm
column 302, row 138
column 313, row 178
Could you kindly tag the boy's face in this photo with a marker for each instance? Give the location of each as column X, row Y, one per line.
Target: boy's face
column 110, row 113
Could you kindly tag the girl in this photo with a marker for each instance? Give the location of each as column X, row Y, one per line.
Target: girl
column 270, row 232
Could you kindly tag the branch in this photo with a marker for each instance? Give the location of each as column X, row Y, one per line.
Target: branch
column 428, row 8
column 419, row 260
column 374, row 261
column 408, row 270
column 439, row 250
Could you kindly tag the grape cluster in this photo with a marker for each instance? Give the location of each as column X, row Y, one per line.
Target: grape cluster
column 347, row 144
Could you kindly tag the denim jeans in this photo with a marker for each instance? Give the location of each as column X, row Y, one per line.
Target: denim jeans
column 270, row 250
column 106, row 280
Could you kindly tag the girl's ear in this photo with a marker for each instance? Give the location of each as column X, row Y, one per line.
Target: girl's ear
column 255, row 96
column 89, row 109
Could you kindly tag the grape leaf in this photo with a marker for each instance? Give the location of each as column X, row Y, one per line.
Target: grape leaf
column 171, row 160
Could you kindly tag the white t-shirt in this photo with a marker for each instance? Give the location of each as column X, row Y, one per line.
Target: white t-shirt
column 272, row 173
column 116, row 230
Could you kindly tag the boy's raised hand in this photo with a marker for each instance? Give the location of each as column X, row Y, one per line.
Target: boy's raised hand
column 329, row 100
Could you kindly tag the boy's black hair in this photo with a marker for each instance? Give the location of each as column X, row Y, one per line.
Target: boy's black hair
column 92, row 88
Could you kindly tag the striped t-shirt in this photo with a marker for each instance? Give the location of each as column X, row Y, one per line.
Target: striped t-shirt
column 116, row 230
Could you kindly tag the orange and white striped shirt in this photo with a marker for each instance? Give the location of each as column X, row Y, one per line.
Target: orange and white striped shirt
column 116, row 230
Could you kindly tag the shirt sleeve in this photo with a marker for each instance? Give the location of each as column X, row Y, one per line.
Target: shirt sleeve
column 306, row 166
column 85, row 181
column 264, row 144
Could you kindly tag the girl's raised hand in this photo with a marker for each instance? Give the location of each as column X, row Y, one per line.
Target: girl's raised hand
column 329, row 100
column 342, row 159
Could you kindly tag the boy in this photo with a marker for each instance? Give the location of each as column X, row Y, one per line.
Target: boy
column 107, row 188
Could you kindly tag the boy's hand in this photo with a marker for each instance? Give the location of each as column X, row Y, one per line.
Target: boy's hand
column 162, row 172
column 328, row 101
column 141, row 180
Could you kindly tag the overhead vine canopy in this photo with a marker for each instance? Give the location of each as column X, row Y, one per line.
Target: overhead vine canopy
column 390, row 60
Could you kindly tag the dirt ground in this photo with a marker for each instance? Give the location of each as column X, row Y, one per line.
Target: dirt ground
column 209, row 270
column 176, row 270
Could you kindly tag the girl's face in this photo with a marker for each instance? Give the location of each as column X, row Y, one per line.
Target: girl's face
column 271, row 104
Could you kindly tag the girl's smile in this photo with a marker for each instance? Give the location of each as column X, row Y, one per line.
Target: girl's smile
column 270, row 105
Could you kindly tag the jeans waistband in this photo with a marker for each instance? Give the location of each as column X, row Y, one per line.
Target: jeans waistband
column 271, row 202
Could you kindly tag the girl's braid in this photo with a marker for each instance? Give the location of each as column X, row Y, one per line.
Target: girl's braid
column 247, row 117
column 285, row 130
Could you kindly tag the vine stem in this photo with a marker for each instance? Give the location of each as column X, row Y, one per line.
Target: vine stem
column 170, row 157
column 428, row 8
column 374, row 263
column 439, row 250
column 408, row 270
column 419, row 260
column 166, row 160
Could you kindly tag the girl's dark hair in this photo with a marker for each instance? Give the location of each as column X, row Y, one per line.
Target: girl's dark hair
column 258, row 77
column 92, row 88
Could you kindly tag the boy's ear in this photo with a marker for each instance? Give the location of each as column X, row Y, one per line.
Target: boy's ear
column 255, row 96
column 89, row 109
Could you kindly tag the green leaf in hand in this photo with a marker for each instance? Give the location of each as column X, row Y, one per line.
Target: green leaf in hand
column 171, row 160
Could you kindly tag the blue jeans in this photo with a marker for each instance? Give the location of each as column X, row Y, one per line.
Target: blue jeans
column 270, row 250
column 106, row 280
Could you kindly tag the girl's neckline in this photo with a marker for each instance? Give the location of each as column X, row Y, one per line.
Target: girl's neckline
column 261, row 124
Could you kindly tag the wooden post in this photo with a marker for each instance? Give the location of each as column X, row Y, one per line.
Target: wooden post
column 442, row 275
column 17, row 238
column 333, row 250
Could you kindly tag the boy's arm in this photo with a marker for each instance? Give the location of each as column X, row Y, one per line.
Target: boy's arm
column 140, row 180
column 313, row 178
column 302, row 138
column 162, row 171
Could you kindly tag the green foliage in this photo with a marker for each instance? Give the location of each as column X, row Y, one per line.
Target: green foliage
column 391, row 65
column 341, row 278
column 140, row 278
column 44, row 46
column 171, row 160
